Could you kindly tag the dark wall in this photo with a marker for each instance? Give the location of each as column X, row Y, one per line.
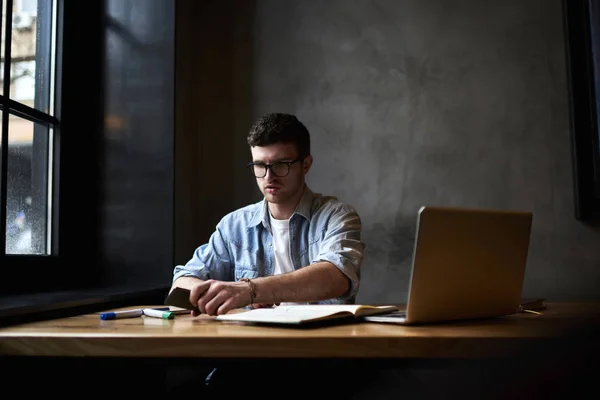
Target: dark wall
column 460, row 103
column 214, row 77
column 136, row 213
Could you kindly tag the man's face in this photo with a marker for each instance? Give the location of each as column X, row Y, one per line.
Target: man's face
column 281, row 189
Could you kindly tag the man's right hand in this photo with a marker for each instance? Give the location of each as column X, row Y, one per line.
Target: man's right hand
column 215, row 297
column 219, row 297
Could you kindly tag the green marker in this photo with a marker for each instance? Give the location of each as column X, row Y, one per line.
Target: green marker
column 158, row 313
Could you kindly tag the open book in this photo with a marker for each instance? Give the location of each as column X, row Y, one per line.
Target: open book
column 303, row 314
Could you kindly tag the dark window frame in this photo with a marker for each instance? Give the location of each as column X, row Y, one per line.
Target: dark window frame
column 580, row 43
column 74, row 222
column 42, row 123
column 73, row 279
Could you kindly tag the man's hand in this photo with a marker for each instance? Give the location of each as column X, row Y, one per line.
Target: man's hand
column 315, row 282
column 218, row 297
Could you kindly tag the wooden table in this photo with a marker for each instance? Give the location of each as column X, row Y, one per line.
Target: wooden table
column 203, row 337
column 94, row 353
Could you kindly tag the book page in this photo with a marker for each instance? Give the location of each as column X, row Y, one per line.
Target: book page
column 303, row 313
column 330, row 308
column 356, row 309
column 281, row 315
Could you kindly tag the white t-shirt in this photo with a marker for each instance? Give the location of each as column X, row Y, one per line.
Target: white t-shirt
column 281, row 247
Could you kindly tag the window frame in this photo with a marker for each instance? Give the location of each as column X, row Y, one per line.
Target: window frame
column 72, row 241
column 581, row 79
column 75, row 278
column 42, row 124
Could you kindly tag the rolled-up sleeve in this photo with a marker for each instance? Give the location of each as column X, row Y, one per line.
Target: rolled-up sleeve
column 209, row 261
column 343, row 247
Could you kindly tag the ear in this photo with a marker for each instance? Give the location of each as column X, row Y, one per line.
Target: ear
column 306, row 164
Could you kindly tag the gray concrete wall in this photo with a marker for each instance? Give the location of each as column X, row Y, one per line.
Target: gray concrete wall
column 459, row 103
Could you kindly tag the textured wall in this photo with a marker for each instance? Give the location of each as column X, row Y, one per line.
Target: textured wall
column 460, row 103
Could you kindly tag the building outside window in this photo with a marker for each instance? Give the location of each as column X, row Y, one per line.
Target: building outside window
column 27, row 101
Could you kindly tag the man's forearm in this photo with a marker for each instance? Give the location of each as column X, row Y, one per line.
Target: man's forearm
column 320, row 281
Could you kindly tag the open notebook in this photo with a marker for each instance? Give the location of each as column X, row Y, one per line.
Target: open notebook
column 304, row 314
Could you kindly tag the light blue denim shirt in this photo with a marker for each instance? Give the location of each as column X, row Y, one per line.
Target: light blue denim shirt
column 321, row 229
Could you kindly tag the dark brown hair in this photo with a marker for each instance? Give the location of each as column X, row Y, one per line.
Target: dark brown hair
column 280, row 128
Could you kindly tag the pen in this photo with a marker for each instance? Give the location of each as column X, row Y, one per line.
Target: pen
column 136, row 312
column 158, row 313
column 122, row 314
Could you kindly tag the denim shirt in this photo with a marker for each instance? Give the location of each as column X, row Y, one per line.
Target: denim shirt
column 321, row 229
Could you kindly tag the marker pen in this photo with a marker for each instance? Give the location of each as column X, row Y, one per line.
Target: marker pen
column 122, row 314
column 136, row 312
column 158, row 313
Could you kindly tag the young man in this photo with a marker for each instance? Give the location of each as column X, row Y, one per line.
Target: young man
column 293, row 246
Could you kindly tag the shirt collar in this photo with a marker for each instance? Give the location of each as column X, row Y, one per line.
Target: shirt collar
column 305, row 204
column 303, row 209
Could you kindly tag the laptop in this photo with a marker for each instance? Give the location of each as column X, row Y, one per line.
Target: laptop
column 467, row 264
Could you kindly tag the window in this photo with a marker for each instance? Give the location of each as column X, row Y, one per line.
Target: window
column 62, row 207
column 29, row 122
column 582, row 24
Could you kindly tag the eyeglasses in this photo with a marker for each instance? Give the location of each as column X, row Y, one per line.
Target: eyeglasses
column 279, row 168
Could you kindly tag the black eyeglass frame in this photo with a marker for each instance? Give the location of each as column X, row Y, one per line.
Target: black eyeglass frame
column 251, row 165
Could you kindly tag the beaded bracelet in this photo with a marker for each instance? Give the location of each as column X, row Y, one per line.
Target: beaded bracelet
column 252, row 289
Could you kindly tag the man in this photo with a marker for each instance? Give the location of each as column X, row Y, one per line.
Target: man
column 293, row 246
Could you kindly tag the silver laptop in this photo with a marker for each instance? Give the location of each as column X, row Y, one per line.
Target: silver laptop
column 467, row 264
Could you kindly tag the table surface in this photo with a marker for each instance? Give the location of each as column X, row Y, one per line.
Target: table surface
column 204, row 337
